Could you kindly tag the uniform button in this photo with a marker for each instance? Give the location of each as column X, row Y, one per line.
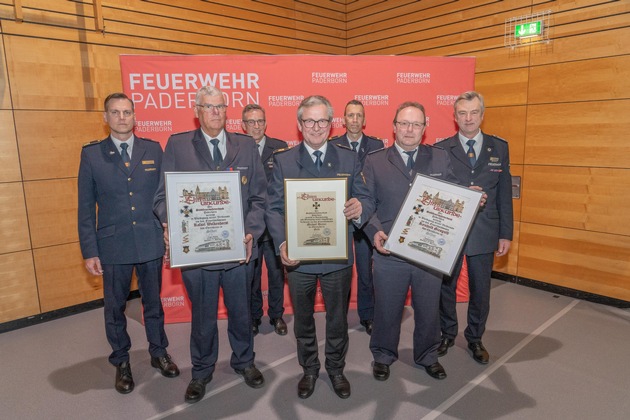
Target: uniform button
column 133, row 208
column 130, row 193
column 472, row 183
column 129, row 179
column 134, row 222
column 472, row 172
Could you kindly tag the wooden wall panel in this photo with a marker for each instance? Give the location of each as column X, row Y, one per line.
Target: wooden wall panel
column 18, row 289
column 592, row 262
column 52, row 211
column 5, row 94
column 590, row 81
column 9, row 158
column 588, row 199
column 503, row 88
column 579, row 134
column 509, row 124
column 50, row 141
column 13, row 222
column 62, row 278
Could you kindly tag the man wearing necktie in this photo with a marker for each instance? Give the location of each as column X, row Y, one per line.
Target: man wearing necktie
column 119, row 233
column 479, row 160
column 211, row 148
column 362, row 144
column 389, row 174
column 254, row 123
column 316, row 158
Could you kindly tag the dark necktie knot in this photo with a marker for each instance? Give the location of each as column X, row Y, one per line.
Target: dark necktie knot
column 216, row 153
column 472, row 156
column 124, row 154
column 318, row 159
column 354, row 144
column 410, row 161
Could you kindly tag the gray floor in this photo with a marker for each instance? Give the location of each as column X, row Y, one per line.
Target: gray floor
column 552, row 357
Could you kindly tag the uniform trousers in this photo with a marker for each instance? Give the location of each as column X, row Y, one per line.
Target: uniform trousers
column 365, row 288
column 479, row 273
column 203, row 287
column 275, row 282
column 392, row 279
column 336, row 293
column 116, row 285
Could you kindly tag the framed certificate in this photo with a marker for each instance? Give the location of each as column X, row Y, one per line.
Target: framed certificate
column 205, row 218
column 433, row 223
column 316, row 228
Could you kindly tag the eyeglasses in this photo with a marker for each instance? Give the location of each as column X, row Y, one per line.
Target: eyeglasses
column 320, row 123
column 210, row 107
column 124, row 114
column 406, row 124
column 252, row 123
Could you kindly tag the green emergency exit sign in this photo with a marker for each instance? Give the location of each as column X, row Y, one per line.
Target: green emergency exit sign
column 528, row 29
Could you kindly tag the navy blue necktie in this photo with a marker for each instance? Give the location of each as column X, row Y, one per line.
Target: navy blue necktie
column 354, row 144
column 318, row 159
column 410, row 161
column 216, row 153
column 124, row 155
column 472, row 157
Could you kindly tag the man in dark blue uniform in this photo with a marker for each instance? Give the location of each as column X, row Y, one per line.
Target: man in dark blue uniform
column 362, row 144
column 118, row 177
column 211, row 148
column 389, row 174
column 254, row 123
column 482, row 160
column 315, row 158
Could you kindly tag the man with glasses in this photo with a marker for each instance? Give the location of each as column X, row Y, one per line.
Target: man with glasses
column 118, row 232
column 211, row 148
column 315, row 158
column 483, row 160
column 362, row 144
column 389, row 174
column 255, row 124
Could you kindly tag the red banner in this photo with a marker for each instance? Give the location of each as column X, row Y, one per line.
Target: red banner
column 163, row 89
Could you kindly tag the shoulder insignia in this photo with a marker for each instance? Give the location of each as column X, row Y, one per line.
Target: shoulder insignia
column 375, row 138
column 497, row 137
column 343, row 146
column 92, row 142
column 146, row 139
column 333, row 138
column 377, row 150
column 284, row 149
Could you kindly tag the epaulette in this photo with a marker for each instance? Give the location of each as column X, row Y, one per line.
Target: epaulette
column 146, row 139
column 92, row 142
column 284, row 149
column 333, row 138
column 375, row 138
column 343, row 146
column 377, row 150
column 498, row 138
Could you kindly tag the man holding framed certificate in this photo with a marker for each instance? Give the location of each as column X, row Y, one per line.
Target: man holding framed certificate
column 313, row 159
column 211, row 148
column 389, row 173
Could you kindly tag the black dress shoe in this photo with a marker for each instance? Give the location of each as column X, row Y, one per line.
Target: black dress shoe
column 367, row 323
column 380, row 371
column 436, row 371
column 279, row 326
column 341, row 386
column 306, row 386
column 165, row 365
column 252, row 376
column 479, row 352
column 255, row 324
column 124, row 380
column 444, row 345
column 196, row 389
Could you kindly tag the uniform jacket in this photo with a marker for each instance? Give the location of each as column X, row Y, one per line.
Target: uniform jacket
column 339, row 162
column 495, row 220
column 368, row 145
column 389, row 180
column 271, row 145
column 189, row 151
column 125, row 231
